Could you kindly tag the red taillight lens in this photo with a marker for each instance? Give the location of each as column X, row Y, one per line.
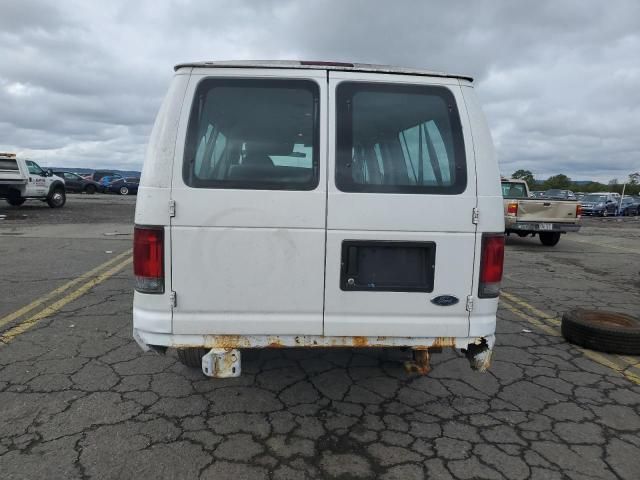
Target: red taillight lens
column 512, row 209
column 148, row 259
column 491, row 264
column 578, row 211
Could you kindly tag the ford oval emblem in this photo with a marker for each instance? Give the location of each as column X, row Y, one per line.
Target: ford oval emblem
column 445, row 300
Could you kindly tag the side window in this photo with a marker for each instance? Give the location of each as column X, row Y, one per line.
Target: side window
column 70, row 176
column 399, row 139
column 34, row 168
column 253, row 134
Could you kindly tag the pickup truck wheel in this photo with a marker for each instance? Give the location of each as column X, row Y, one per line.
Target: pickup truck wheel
column 90, row 189
column 549, row 239
column 15, row 199
column 601, row 330
column 57, row 199
column 192, row 357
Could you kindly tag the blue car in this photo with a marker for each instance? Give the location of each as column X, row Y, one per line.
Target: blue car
column 123, row 186
column 629, row 206
column 599, row 204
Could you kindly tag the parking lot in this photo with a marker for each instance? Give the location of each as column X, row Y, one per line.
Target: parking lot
column 81, row 400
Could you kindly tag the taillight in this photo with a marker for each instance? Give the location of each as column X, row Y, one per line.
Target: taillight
column 512, row 209
column 491, row 263
column 578, row 211
column 148, row 259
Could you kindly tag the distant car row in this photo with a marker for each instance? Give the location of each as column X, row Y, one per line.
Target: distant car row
column 600, row 204
column 99, row 181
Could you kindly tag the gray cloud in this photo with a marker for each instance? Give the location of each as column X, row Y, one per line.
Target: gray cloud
column 80, row 82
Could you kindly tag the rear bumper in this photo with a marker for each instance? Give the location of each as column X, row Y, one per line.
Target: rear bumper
column 535, row 227
column 477, row 349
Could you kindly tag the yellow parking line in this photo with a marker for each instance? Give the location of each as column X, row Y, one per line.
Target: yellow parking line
column 531, row 308
column 54, row 308
column 595, row 356
column 36, row 303
column 548, row 329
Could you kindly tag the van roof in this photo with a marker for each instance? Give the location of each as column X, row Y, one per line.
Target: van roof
column 319, row 65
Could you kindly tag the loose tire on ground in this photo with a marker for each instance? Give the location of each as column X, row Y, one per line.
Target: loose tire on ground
column 601, row 330
column 192, row 357
column 549, row 239
column 58, row 198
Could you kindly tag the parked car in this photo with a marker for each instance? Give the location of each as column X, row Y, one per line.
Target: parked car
column 301, row 204
column 99, row 174
column 75, row 183
column 600, row 204
column 123, row 186
column 537, row 194
column 557, row 194
column 629, row 206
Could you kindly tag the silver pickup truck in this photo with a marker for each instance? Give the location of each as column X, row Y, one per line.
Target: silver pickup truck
column 530, row 216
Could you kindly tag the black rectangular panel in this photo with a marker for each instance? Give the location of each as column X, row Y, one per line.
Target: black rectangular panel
column 387, row 266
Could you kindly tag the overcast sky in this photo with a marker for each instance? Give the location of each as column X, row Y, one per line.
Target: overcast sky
column 80, row 83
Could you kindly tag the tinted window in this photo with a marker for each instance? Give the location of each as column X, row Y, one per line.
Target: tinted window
column 259, row 134
column 399, row 139
column 513, row 190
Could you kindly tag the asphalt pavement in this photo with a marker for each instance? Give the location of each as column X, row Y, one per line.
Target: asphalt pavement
column 80, row 400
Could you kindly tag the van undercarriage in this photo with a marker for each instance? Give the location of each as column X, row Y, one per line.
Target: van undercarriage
column 224, row 359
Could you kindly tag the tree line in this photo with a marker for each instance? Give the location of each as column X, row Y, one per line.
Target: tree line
column 562, row 181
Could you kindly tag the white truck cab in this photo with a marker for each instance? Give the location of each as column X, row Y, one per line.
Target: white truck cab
column 22, row 179
column 316, row 204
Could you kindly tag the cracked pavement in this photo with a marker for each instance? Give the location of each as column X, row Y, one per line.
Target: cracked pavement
column 81, row 400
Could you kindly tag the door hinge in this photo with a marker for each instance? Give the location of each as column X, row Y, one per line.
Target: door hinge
column 172, row 208
column 475, row 216
column 172, row 299
column 470, row 303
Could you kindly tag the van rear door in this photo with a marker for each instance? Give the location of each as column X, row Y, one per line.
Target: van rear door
column 401, row 198
column 248, row 236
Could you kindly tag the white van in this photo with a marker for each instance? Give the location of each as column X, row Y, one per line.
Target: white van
column 317, row 204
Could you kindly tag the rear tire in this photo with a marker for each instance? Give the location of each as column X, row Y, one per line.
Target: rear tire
column 90, row 189
column 549, row 239
column 192, row 357
column 57, row 199
column 124, row 191
column 15, row 199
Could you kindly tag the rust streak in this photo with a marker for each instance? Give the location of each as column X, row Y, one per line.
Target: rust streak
column 359, row 342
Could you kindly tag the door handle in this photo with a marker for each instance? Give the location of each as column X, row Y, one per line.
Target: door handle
column 352, row 261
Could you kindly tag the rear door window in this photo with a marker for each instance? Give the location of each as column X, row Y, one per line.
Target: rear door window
column 253, row 134
column 399, row 139
column 513, row 190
